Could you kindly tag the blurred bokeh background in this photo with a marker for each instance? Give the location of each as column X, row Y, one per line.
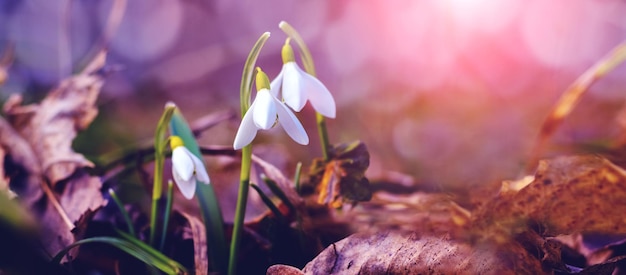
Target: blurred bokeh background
column 451, row 92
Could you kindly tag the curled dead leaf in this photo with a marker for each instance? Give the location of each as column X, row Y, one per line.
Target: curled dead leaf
column 342, row 178
column 393, row 252
column 422, row 212
column 51, row 126
column 38, row 140
column 281, row 269
column 198, row 234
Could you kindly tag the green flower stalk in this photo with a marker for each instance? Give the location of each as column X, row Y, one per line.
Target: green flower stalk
column 298, row 86
column 160, row 141
column 246, row 154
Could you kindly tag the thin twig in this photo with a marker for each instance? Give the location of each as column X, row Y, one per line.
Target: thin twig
column 57, row 205
column 202, row 124
column 147, row 154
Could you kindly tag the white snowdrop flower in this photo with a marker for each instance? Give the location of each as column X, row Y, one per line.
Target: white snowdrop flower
column 265, row 112
column 298, row 86
column 186, row 168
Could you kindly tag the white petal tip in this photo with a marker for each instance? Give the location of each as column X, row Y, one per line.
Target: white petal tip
column 304, row 141
column 328, row 113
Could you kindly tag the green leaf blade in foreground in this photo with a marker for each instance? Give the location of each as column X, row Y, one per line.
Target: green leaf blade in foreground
column 143, row 253
column 209, row 206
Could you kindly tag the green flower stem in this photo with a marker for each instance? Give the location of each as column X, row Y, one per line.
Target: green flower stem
column 159, row 160
column 207, row 199
column 167, row 212
column 120, row 205
column 296, row 177
column 323, row 134
column 309, row 67
column 240, row 211
column 246, row 154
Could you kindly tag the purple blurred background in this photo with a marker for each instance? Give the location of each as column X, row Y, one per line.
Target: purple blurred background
column 450, row 91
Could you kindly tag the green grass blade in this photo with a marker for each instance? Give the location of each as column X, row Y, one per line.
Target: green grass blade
column 125, row 215
column 143, row 253
column 152, row 252
column 270, row 204
column 278, row 192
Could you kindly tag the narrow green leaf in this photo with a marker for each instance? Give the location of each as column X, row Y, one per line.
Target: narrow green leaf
column 269, row 203
column 167, row 212
column 149, row 250
column 125, row 215
column 278, row 192
column 148, row 256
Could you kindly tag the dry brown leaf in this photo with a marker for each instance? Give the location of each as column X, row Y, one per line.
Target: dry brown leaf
column 39, row 142
column 280, row 269
column 576, row 194
column 198, row 233
column 392, row 252
column 22, row 155
column 4, row 181
column 604, row 268
column 422, row 212
column 51, row 126
column 341, row 179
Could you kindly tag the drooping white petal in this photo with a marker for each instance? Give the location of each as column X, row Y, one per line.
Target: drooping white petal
column 182, row 164
column 186, row 187
column 264, row 113
column 201, row 173
column 294, row 93
column 247, row 129
column 291, row 124
column 321, row 99
column 276, row 84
